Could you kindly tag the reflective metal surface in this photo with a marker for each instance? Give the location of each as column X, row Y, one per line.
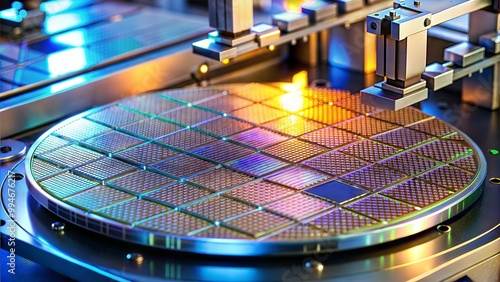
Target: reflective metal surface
column 254, row 190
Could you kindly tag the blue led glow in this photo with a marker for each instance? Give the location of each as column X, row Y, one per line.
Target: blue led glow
column 340, row 53
column 10, row 15
column 76, row 38
column 61, row 22
column 17, row 5
column 57, row 6
column 66, row 61
column 14, row 14
column 52, row 7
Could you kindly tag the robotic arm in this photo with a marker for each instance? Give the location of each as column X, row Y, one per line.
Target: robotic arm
column 402, row 46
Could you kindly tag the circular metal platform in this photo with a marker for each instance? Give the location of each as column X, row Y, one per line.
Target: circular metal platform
column 251, row 169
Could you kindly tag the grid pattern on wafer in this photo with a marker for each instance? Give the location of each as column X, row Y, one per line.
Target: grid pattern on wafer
column 235, row 163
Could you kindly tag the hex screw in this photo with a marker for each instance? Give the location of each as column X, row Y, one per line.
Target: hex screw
column 136, row 258
column 314, row 265
column 443, row 228
column 58, row 226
